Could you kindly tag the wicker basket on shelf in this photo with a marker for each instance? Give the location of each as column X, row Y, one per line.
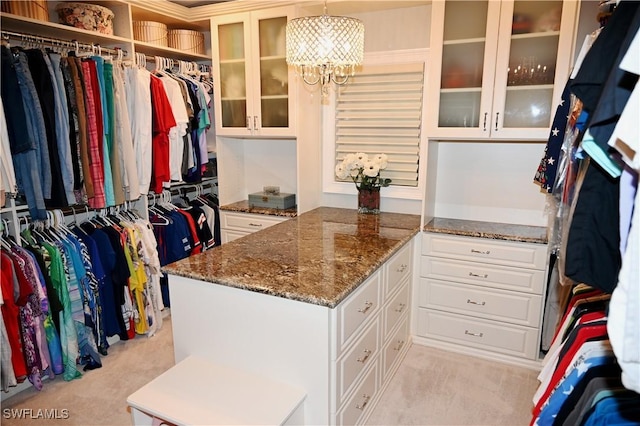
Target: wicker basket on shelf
column 150, row 32
column 187, row 41
column 36, row 9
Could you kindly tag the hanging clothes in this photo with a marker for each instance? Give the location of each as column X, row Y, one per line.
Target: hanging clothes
column 26, row 148
column 8, row 183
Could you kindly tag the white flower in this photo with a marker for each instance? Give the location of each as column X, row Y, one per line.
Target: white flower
column 341, row 171
column 361, row 158
column 371, row 169
column 381, row 160
column 349, row 161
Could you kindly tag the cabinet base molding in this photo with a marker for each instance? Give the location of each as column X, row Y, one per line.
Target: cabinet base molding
column 479, row 353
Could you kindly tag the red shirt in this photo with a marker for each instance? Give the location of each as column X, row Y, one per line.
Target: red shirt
column 163, row 120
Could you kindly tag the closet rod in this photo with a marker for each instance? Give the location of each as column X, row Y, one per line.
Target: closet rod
column 6, row 35
column 177, row 62
column 186, row 187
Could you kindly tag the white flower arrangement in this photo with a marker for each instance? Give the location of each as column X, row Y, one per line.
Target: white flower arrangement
column 364, row 171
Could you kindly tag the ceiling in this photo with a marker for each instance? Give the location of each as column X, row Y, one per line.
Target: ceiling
column 194, row 3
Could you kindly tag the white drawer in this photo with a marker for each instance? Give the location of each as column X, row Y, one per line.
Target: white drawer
column 394, row 348
column 395, row 309
column 499, row 305
column 398, row 268
column 357, row 359
column 248, row 222
column 357, row 309
column 488, row 275
column 479, row 333
column 229, row 235
column 360, row 401
column 509, row 253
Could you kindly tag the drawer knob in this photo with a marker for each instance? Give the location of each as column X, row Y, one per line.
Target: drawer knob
column 480, row 251
column 401, row 307
column 471, row 274
column 257, row 225
column 469, row 333
column 364, row 358
column 400, row 345
column 473, row 302
column 402, row 268
column 365, row 401
column 367, row 306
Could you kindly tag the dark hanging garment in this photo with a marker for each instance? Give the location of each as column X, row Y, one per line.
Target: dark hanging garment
column 25, row 151
column 44, row 87
column 601, row 58
column 593, row 245
column 74, row 127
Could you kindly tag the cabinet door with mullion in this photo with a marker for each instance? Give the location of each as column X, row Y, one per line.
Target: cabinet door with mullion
column 498, row 67
column 231, row 46
column 252, row 76
column 464, row 42
column 532, row 65
column 273, row 113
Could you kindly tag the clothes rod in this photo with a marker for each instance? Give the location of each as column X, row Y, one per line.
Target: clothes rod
column 55, row 42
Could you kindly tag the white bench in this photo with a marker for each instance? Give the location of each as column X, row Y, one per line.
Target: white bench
column 199, row 392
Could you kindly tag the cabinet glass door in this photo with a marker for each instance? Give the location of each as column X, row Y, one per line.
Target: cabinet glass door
column 233, row 74
column 463, row 57
column 530, row 72
column 274, row 73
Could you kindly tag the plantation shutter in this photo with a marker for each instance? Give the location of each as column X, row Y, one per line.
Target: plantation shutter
column 380, row 111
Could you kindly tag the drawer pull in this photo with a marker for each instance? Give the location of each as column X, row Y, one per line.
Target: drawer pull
column 367, row 306
column 400, row 345
column 468, row 333
column 401, row 307
column 480, row 251
column 473, row 302
column 471, row 274
column 402, row 268
column 365, row 401
column 257, row 225
column 364, row 358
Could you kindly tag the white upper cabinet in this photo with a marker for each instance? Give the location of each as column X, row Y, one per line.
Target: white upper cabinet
column 498, row 68
column 254, row 97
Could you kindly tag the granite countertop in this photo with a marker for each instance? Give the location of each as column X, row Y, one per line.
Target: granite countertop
column 318, row 257
column 491, row 230
column 244, row 207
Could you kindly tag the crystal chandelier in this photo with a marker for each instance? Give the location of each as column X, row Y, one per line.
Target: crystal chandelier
column 325, row 48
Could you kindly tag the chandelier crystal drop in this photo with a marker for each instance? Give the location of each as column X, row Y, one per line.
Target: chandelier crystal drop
column 325, row 48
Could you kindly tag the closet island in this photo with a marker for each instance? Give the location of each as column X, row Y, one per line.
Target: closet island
column 320, row 301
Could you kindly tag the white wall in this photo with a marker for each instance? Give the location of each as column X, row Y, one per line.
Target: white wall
column 405, row 28
column 489, row 182
column 252, row 164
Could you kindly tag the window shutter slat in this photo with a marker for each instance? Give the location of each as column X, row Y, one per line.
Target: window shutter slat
column 380, row 111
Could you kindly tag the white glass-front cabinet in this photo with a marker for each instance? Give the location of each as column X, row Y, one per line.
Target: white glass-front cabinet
column 253, row 96
column 498, row 67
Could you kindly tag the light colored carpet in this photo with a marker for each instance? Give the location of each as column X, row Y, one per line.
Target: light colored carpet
column 100, row 396
column 431, row 387
column 436, row 387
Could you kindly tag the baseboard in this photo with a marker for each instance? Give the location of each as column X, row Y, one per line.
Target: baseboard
column 479, row 353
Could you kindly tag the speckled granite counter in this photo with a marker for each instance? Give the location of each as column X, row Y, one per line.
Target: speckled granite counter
column 318, row 257
column 491, row 230
column 244, row 207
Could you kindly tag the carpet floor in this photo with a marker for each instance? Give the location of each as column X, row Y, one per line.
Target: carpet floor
column 431, row 387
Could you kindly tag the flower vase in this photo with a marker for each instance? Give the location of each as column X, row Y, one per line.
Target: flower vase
column 369, row 200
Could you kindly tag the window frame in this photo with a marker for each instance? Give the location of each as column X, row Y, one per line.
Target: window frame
column 329, row 182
